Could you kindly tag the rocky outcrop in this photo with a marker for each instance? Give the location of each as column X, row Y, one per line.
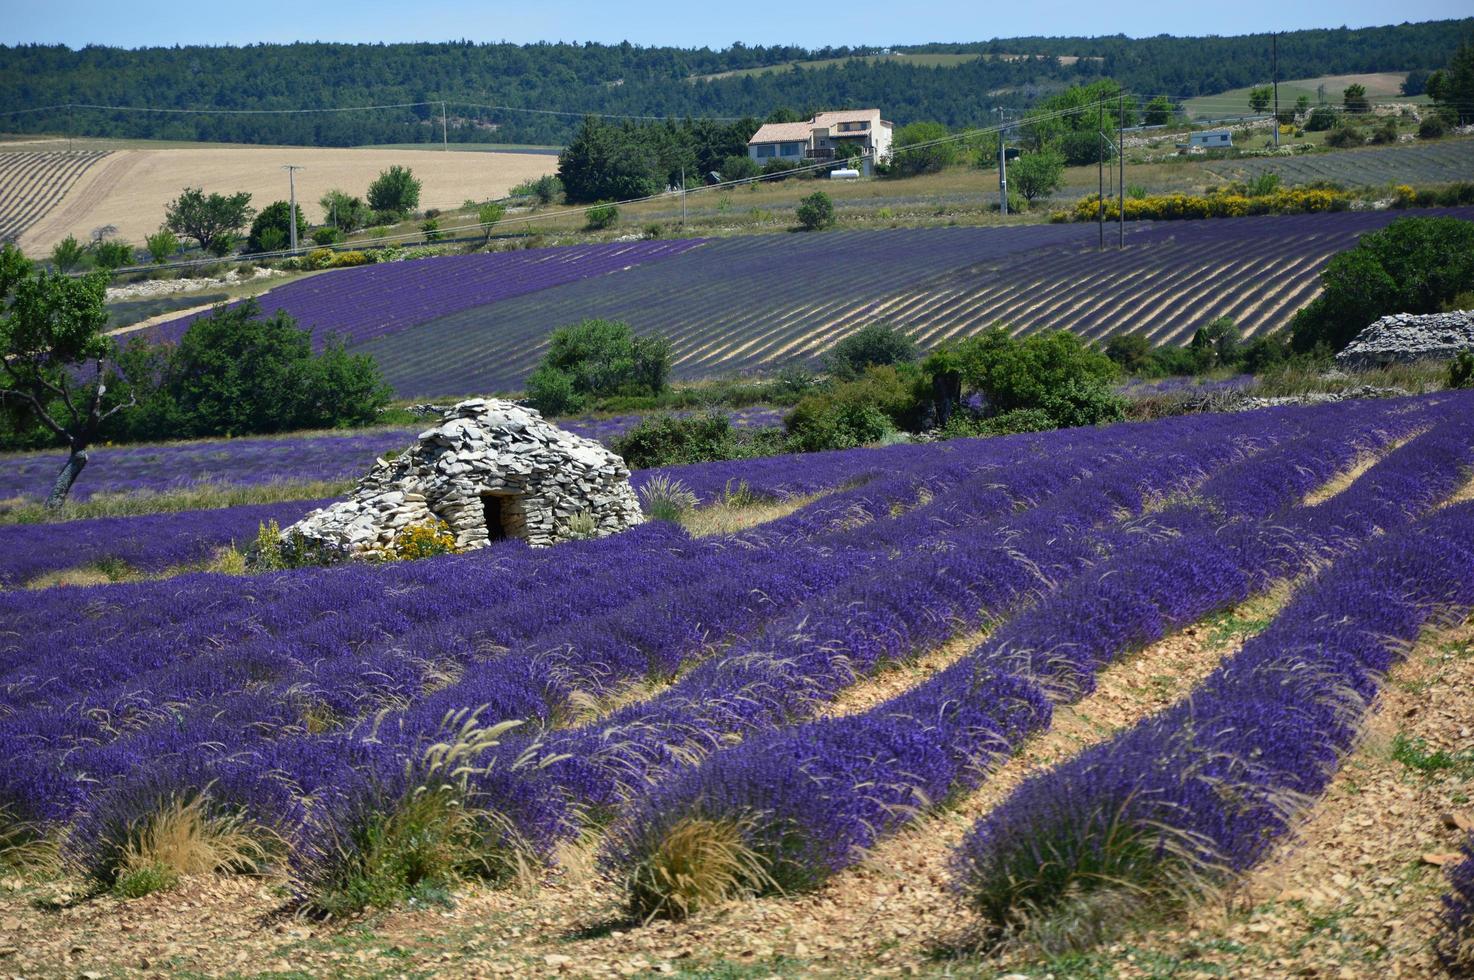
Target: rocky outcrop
column 1402, row 338
column 491, row 469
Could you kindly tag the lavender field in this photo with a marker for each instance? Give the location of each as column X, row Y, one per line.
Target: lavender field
column 762, row 687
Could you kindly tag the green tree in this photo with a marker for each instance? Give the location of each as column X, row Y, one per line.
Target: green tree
column 68, row 254
column 872, row 345
column 1219, row 342
column 1302, row 105
column 275, row 217
column 162, row 245
column 1037, row 174
column 910, row 154
column 1452, row 88
column 214, row 221
column 52, row 357
column 1130, row 351
column 395, row 191
column 487, row 217
column 1259, row 97
column 739, row 167
column 815, row 212
column 601, row 216
column 344, row 211
column 1158, row 111
column 1414, row 265
column 1354, row 99
column 606, row 163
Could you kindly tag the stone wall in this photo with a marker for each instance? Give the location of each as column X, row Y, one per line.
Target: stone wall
column 1402, row 338
column 490, row 469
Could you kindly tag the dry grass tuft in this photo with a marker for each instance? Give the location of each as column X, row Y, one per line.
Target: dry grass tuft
column 184, row 838
column 731, row 516
column 698, row 864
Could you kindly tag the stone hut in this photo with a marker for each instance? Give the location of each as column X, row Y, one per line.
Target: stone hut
column 1403, row 338
column 491, row 470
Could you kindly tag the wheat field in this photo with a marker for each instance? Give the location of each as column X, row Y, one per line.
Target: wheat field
column 130, row 187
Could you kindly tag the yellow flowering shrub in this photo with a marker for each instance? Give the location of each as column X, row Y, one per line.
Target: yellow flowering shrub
column 424, row 540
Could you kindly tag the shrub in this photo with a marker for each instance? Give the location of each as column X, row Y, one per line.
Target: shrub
column 547, row 189
column 882, row 400
column 871, row 345
column 816, row 211
column 933, row 158
column 342, row 260
column 1175, row 207
column 601, row 216
column 1321, row 119
column 161, row 245
column 234, row 372
column 424, row 541
column 740, row 167
column 666, row 499
column 1432, row 127
column 1386, row 132
column 668, row 440
column 1346, row 136
column 1414, row 265
column 68, row 254
column 319, row 258
column 324, row 236
column 431, row 230
column 112, row 254
column 596, row 359
column 779, row 169
column 1461, row 371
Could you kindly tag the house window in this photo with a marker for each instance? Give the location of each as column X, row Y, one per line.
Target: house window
column 853, row 127
column 791, row 149
column 765, row 150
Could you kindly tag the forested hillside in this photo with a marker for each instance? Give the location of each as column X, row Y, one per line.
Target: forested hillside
column 485, row 84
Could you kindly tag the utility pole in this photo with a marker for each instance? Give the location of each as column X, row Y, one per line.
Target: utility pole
column 444, row 137
column 1002, row 162
column 683, row 197
column 291, row 169
column 1274, row 74
column 1121, row 172
column 1100, row 170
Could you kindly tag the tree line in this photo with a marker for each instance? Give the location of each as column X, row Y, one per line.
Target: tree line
column 632, row 80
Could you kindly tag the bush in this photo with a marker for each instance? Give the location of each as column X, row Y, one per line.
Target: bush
column 325, row 236
column 68, row 254
column 161, row 245
column 341, row 260
column 873, row 344
column 424, row 541
column 1178, row 207
column 234, row 373
column 1052, row 372
column 816, row 212
column 670, row 440
column 1386, row 132
column 1414, row 265
column 547, row 189
column 930, row 159
column 431, row 230
column 597, row 359
column 1343, row 137
column 601, row 216
column 1432, row 127
column 1461, row 371
column 740, row 167
column 779, row 169
column 882, row 400
column 1321, row 118
column 113, row 254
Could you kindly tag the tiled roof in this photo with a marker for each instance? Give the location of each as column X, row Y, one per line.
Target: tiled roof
column 850, row 115
column 781, row 132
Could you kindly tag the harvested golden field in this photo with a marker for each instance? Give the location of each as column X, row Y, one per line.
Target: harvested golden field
column 130, row 187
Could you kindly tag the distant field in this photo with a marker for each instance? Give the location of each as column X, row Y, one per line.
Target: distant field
column 130, row 187
column 758, row 302
column 1379, row 85
column 33, row 182
column 1443, row 161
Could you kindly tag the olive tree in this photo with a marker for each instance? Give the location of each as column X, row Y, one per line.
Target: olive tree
column 52, row 357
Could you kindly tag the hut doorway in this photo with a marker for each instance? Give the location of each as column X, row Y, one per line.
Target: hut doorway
column 495, row 511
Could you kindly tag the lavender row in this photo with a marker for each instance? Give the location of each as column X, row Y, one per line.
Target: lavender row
column 798, row 663
column 1209, row 786
column 257, row 461
column 148, row 543
column 371, row 301
column 729, row 589
column 812, row 799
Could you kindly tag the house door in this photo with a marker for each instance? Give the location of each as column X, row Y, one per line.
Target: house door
column 492, row 505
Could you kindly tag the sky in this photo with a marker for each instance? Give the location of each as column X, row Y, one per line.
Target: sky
column 139, row 23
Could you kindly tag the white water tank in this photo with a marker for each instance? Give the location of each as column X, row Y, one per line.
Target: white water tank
column 844, row 173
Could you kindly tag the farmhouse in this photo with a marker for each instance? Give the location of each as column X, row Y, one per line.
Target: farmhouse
column 824, row 137
column 490, row 470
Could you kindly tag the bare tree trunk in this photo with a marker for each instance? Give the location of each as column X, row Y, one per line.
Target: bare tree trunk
column 66, row 478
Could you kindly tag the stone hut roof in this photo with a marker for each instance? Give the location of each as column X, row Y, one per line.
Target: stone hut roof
column 491, row 469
